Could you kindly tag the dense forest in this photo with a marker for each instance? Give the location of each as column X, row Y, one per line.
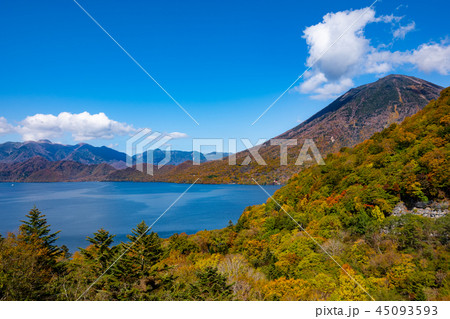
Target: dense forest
column 290, row 248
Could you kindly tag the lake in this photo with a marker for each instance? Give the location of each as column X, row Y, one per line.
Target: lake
column 80, row 209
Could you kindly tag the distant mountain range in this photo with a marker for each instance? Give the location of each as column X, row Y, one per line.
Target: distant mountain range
column 216, row 156
column 349, row 120
column 44, row 161
column 18, row 152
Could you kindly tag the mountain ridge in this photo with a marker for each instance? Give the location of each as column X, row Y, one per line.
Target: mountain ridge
column 14, row 152
column 352, row 118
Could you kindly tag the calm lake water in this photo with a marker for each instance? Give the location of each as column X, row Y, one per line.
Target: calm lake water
column 79, row 209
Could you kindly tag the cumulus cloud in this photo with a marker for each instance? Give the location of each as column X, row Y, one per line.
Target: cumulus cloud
column 347, row 52
column 334, row 88
column 352, row 54
column 83, row 126
column 431, row 57
column 5, row 127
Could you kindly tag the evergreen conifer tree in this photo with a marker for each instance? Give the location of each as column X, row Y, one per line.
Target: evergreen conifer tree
column 36, row 227
column 100, row 252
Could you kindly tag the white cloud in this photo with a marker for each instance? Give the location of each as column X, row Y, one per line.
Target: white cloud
column 312, row 82
column 432, row 57
column 387, row 19
column 177, row 135
column 5, row 127
column 332, row 89
column 353, row 54
column 82, row 126
column 347, row 52
column 401, row 32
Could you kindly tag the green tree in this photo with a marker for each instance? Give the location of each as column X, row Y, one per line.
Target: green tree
column 100, row 253
column 94, row 268
column 144, row 249
column 36, row 227
column 211, row 285
column 137, row 271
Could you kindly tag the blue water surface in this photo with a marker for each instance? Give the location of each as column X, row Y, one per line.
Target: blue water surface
column 79, row 209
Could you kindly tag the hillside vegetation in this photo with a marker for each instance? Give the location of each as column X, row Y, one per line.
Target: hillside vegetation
column 343, row 213
column 351, row 119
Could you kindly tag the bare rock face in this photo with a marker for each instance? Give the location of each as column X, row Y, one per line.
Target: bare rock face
column 431, row 209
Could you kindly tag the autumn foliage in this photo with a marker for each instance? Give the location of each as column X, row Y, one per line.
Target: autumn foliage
column 349, row 246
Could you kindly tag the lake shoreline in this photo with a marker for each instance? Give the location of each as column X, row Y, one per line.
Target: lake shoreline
column 80, row 209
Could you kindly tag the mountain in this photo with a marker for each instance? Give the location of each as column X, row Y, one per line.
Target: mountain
column 370, row 224
column 176, row 157
column 44, row 161
column 213, row 156
column 408, row 162
column 349, row 120
column 345, row 213
column 39, row 169
column 16, row 152
column 362, row 111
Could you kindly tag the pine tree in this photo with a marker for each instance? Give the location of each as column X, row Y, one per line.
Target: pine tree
column 147, row 245
column 36, row 227
column 137, row 272
column 96, row 261
column 144, row 251
column 100, row 251
column 211, row 285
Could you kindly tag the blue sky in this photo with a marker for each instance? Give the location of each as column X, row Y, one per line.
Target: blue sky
column 225, row 62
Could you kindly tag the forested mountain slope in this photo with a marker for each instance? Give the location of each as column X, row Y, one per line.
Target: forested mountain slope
column 345, row 243
column 349, row 120
column 346, row 207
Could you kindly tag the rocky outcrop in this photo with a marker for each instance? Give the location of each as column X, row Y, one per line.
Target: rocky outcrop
column 430, row 209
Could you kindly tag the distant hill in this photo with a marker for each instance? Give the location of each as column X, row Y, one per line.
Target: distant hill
column 44, row 161
column 349, row 120
column 39, row 169
column 17, row 152
column 176, row 157
column 213, row 156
